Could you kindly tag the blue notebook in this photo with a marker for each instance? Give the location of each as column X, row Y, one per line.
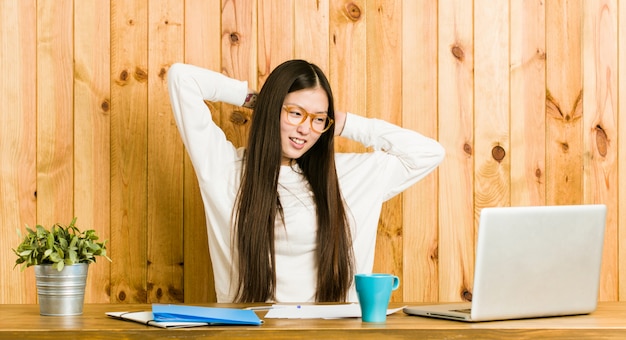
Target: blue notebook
column 211, row 315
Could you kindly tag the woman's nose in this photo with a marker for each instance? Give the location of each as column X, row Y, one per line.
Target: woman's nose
column 305, row 127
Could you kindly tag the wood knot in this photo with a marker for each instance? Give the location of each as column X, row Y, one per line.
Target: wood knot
column 238, row 118
column 602, row 141
column 159, row 293
column 498, row 153
column 466, row 295
column 175, row 293
column 538, row 173
column 458, row 53
column 105, row 105
column 234, row 38
column 121, row 296
column 434, row 254
column 467, row 149
column 353, row 11
column 124, row 75
column 162, row 73
column 564, row 147
column 541, row 54
column 141, row 75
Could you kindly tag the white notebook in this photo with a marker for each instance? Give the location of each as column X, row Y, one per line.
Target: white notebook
column 147, row 318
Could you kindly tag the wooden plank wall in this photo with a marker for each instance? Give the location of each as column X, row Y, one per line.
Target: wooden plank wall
column 522, row 94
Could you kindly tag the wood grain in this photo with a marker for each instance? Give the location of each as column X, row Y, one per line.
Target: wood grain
column 23, row 322
column 600, row 127
column 239, row 50
column 564, row 102
column 492, row 161
column 165, row 159
column 527, row 108
column 276, row 20
column 200, row 49
column 129, row 146
column 456, row 134
column 18, row 113
column 55, row 112
column 523, row 95
column 419, row 101
column 384, row 101
column 621, row 162
column 311, row 32
column 348, row 50
column 92, row 107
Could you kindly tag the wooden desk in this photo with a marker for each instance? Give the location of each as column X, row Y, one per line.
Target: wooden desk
column 24, row 322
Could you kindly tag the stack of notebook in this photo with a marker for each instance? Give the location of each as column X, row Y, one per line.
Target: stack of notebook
column 170, row 316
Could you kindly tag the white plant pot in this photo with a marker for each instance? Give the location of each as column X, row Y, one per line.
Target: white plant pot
column 61, row 292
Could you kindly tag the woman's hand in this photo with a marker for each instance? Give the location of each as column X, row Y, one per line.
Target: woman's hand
column 250, row 101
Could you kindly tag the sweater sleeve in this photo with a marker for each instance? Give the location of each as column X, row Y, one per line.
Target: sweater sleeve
column 189, row 86
column 401, row 156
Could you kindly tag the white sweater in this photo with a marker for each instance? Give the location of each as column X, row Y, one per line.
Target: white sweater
column 400, row 158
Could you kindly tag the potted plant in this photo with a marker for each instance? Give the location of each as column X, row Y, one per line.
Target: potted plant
column 61, row 256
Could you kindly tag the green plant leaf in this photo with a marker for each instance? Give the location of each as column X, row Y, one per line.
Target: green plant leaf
column 25, row 253
column 47, row 253
column 59, row 245
column 73, row 257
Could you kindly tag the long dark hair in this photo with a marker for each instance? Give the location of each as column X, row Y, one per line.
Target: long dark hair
column 258, row 203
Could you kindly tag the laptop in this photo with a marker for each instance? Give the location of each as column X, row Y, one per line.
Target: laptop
column 532, row 262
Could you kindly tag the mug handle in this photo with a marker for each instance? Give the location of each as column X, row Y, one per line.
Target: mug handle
column 396, row 282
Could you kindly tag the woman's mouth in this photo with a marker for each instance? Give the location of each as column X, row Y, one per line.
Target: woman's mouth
column 297, row 141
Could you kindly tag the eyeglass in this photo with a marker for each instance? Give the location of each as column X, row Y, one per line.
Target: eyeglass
column 320, row 122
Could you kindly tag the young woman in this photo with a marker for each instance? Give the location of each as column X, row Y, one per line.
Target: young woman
column 288, row 219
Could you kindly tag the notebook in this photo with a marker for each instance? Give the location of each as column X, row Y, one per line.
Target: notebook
column 532, row 262
column 178, row 316
column 212, row 315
